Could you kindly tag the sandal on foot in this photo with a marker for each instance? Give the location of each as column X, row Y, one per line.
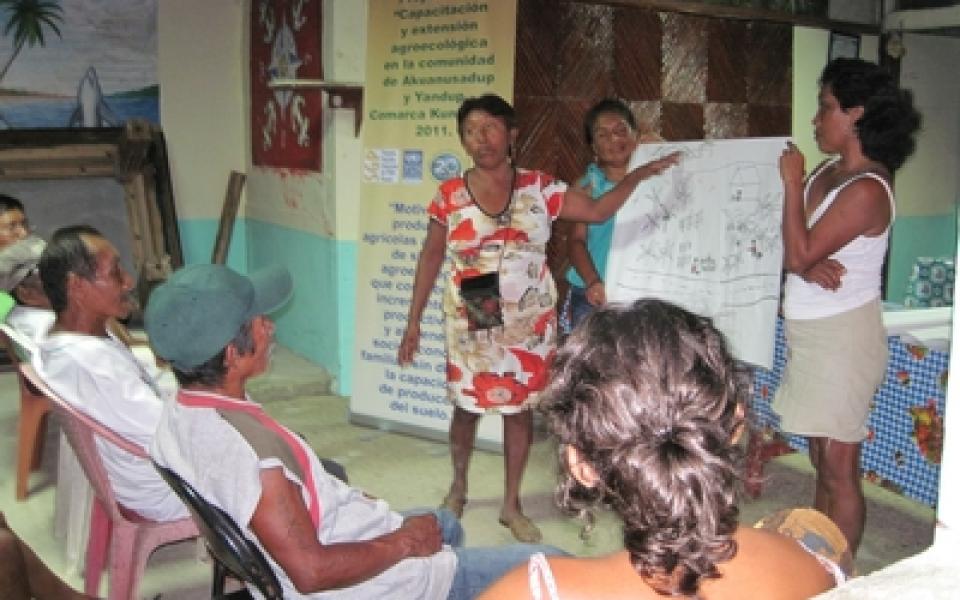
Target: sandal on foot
column 454, row 504
column 522, row 528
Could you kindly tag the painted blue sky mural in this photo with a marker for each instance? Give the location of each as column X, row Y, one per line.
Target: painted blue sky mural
column 100, row 71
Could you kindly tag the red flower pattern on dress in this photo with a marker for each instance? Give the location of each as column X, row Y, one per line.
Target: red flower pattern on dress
column 453, row 372
column 465, row 274
column 506, row 234
column 492, row 390
column 437, row 213
column 540, row 326
column 528, row 178
column 471, row 235
column 554, row 204
column 464, row 232
column 529, row 362
column 535, row 366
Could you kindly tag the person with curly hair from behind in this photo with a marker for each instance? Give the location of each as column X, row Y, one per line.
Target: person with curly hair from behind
column 646, row 404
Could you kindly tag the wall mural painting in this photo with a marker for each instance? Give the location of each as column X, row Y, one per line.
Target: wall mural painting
column 285, row 122
column 77, row 63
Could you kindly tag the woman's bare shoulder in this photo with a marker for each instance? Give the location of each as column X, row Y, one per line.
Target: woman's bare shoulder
column 603, row 578
column 511, row 585
column 773, row 565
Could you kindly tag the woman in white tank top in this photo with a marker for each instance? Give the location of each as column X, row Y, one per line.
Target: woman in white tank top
column 835, row 231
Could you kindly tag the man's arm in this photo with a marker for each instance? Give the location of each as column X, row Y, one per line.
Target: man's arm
column 282, row 524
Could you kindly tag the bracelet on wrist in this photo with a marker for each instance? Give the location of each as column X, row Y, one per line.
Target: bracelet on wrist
column 593, row 283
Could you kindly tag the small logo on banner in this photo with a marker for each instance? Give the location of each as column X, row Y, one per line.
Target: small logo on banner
column 444, row 166
column 412, row 166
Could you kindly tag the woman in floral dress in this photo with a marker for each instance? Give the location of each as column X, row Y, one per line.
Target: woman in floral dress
column 494, row 222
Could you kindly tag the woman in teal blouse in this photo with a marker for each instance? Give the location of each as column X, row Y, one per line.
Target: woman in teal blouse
column 611, row 131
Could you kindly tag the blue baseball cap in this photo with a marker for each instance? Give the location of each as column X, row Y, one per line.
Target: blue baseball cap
column 195, row 313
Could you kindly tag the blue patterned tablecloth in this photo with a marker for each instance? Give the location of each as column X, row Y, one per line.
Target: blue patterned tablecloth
column 903, row 449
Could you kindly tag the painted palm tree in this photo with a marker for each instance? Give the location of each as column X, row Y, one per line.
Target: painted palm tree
column 28, row 19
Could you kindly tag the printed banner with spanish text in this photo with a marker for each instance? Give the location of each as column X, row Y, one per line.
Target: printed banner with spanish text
column 423, row 58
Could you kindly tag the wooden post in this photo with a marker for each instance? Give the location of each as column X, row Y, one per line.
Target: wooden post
column 227, row 218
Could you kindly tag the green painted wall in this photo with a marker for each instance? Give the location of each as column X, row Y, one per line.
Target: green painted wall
column 318, row 322
column 198, row 235
column 346, row 292
column 917, row 237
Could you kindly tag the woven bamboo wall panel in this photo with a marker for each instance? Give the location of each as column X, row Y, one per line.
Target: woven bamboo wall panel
column 768, row 120
column 536, row 68
column 586, row 51
column 727, row 56
column 685, row 78
column 770, row 68
column 725, row 120
column 682, row 121
column 648, row 116
column 637, row 59
column 684, row 44
column 536, row 118
column 571, row 149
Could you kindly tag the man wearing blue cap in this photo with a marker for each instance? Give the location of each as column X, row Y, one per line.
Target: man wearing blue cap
column 323, row 538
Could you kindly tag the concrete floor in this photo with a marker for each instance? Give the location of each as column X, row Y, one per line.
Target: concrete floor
column 411, row 472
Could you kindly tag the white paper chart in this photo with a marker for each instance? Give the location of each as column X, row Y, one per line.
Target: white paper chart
column 706, row 235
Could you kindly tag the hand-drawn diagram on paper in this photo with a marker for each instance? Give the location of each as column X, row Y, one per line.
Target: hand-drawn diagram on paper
column 706, row 235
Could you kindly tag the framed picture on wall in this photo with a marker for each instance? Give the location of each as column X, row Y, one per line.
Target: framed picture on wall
column 843, row 45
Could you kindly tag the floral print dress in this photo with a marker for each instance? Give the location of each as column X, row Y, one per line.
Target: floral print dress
column 504, row 368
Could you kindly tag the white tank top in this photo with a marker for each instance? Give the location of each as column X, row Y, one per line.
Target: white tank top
column 539, row 569
column 862, row 258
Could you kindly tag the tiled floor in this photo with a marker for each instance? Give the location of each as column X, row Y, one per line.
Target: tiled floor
column 295, row 393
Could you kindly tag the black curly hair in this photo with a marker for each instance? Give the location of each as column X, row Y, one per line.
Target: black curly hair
column 886, row 129
column 649, row 396
column 491, row 104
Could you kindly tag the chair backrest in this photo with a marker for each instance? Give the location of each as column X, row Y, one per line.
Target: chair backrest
column 82, row 431
column 96, row 427
column 19, row 347
column 225, row 539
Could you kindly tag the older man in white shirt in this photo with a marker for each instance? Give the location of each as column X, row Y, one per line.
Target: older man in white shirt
column 89, row 367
